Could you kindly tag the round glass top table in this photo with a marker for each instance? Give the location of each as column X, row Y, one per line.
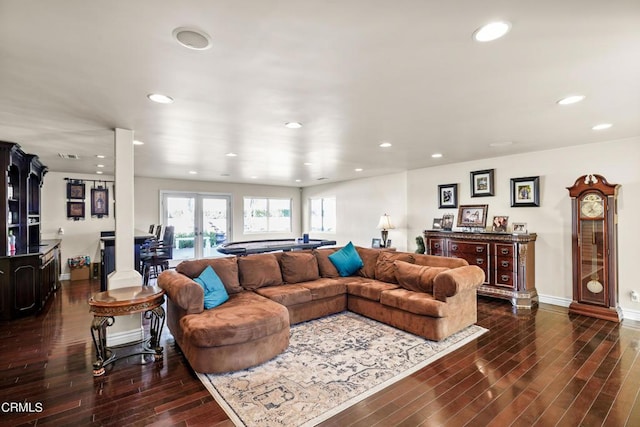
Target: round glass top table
column 122, row 302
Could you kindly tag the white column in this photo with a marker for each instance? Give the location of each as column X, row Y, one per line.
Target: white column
column 126, row 328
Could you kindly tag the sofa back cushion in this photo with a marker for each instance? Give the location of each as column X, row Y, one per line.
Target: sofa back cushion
column 226, row 268
column 439, row 261
column 326, row 267
column 259, row 270
column 299, row 267
column 418, row 278
column 369, row 259
column 385, row 270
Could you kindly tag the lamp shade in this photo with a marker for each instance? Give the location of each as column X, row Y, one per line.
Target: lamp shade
column 385, row 223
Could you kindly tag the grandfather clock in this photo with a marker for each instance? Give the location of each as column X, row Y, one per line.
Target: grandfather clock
column 594, row 245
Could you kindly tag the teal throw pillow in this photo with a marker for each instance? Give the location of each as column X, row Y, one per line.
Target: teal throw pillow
column 214, row 291
column 346, row 260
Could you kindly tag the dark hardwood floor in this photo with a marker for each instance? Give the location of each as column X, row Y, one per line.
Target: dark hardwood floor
column 545, row 368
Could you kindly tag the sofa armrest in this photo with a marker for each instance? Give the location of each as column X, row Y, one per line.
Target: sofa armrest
column 457, row 280
column 182, row 291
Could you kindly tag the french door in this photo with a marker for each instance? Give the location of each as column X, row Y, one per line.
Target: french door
column 201, row 222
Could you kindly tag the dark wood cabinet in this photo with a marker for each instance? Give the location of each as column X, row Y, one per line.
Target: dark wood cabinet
column 508, row 261
column 29, row 268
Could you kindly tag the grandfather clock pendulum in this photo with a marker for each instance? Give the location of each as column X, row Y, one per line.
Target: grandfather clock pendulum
column 594, row 245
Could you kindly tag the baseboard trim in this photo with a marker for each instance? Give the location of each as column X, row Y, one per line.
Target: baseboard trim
column 65, row 276
column 125, row 337
column 627, row 313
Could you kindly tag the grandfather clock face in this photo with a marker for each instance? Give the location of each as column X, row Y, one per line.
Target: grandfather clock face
column 592, row 249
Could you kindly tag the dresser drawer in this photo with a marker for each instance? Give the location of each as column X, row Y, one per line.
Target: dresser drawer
column 436, row 247
column 504, row 250
column 504, row 279
column 505, row 264
column 480, row 260
column 457, row 247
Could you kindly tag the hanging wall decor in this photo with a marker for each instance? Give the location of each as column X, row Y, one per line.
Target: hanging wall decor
column 99, row 202
column 75, row 199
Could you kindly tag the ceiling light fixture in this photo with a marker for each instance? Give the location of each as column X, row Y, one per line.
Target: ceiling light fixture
column 99, row 172
column 436, row 155
column 293, row 125
column 193, row 172
column 100, row 166
column 492, row 31
column 192, row 38
column 358, row 169
column 298, row 180
column 136, row 142
column 602, row 126
column 385, row 145
column 308, row 163
column 500, row 144
column 102, row 156
column 231, row 155
column 160, row 98
column 571, row 99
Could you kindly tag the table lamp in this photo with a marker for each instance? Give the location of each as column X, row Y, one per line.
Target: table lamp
column 385, row 225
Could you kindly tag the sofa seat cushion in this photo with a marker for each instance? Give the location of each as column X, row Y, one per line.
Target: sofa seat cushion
column 325, row 288
column 259, row 270
column 225, row 267
column 369, row 289
column 299, row 267
column 414, row 302
column 286, row 294
column 418, row 278
column 245, row 317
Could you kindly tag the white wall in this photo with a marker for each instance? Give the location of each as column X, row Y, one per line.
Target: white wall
column 359, row 205
column 147, row 209
column 80, row 237
column 618, row 161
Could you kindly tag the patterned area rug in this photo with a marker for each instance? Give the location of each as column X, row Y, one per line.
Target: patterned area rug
column 331, row 364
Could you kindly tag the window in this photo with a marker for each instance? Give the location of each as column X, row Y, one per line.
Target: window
column 323, row 215
column 263, row 215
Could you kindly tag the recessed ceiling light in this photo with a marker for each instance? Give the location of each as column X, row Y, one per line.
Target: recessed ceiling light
column 99, row 172
column 293, row 125
column 500, row 144
column 192, row 38
column 436, row 155
column 100, row 166
column 193, row 172
column 571, row 99
column 136, row 142
column 298, row 180
column 492, row 31
column 224, row 174
column 254, row 177
column 160, row 98
column 358, row 169
column 385, row 145
column 101, row 156
column 307, row 163
column 602, row 126
column 231, row 155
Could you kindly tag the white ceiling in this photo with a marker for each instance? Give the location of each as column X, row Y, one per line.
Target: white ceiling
column 354, row 72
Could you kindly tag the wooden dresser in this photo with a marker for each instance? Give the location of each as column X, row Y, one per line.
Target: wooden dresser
column 508, row 261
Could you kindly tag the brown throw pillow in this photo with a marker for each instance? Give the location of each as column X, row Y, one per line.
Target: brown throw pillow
column 418, row 278
column 326, row 267
column 369, row 258
column 259, row 270
column 299, row 267
column 385, row 270
column 225, row 267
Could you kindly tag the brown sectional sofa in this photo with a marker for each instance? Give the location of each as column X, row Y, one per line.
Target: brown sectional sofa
column 429, row 296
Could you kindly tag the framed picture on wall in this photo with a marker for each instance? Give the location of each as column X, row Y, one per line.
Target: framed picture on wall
column 448, row 196
column 525, row 192
column 482, row 183
column 75, row 190
column 99, row 202
column 75, row 210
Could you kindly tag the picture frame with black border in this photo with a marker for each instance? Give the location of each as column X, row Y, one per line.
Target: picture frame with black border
column 99, row 202
column 472, row 216
column 447, row 222
column 75, row 210
column 482, row 184
column 388, row 243
column 525, row 192
column 75, row 190
column 447, row 196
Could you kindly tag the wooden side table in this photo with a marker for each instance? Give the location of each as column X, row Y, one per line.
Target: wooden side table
column 123, row 302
